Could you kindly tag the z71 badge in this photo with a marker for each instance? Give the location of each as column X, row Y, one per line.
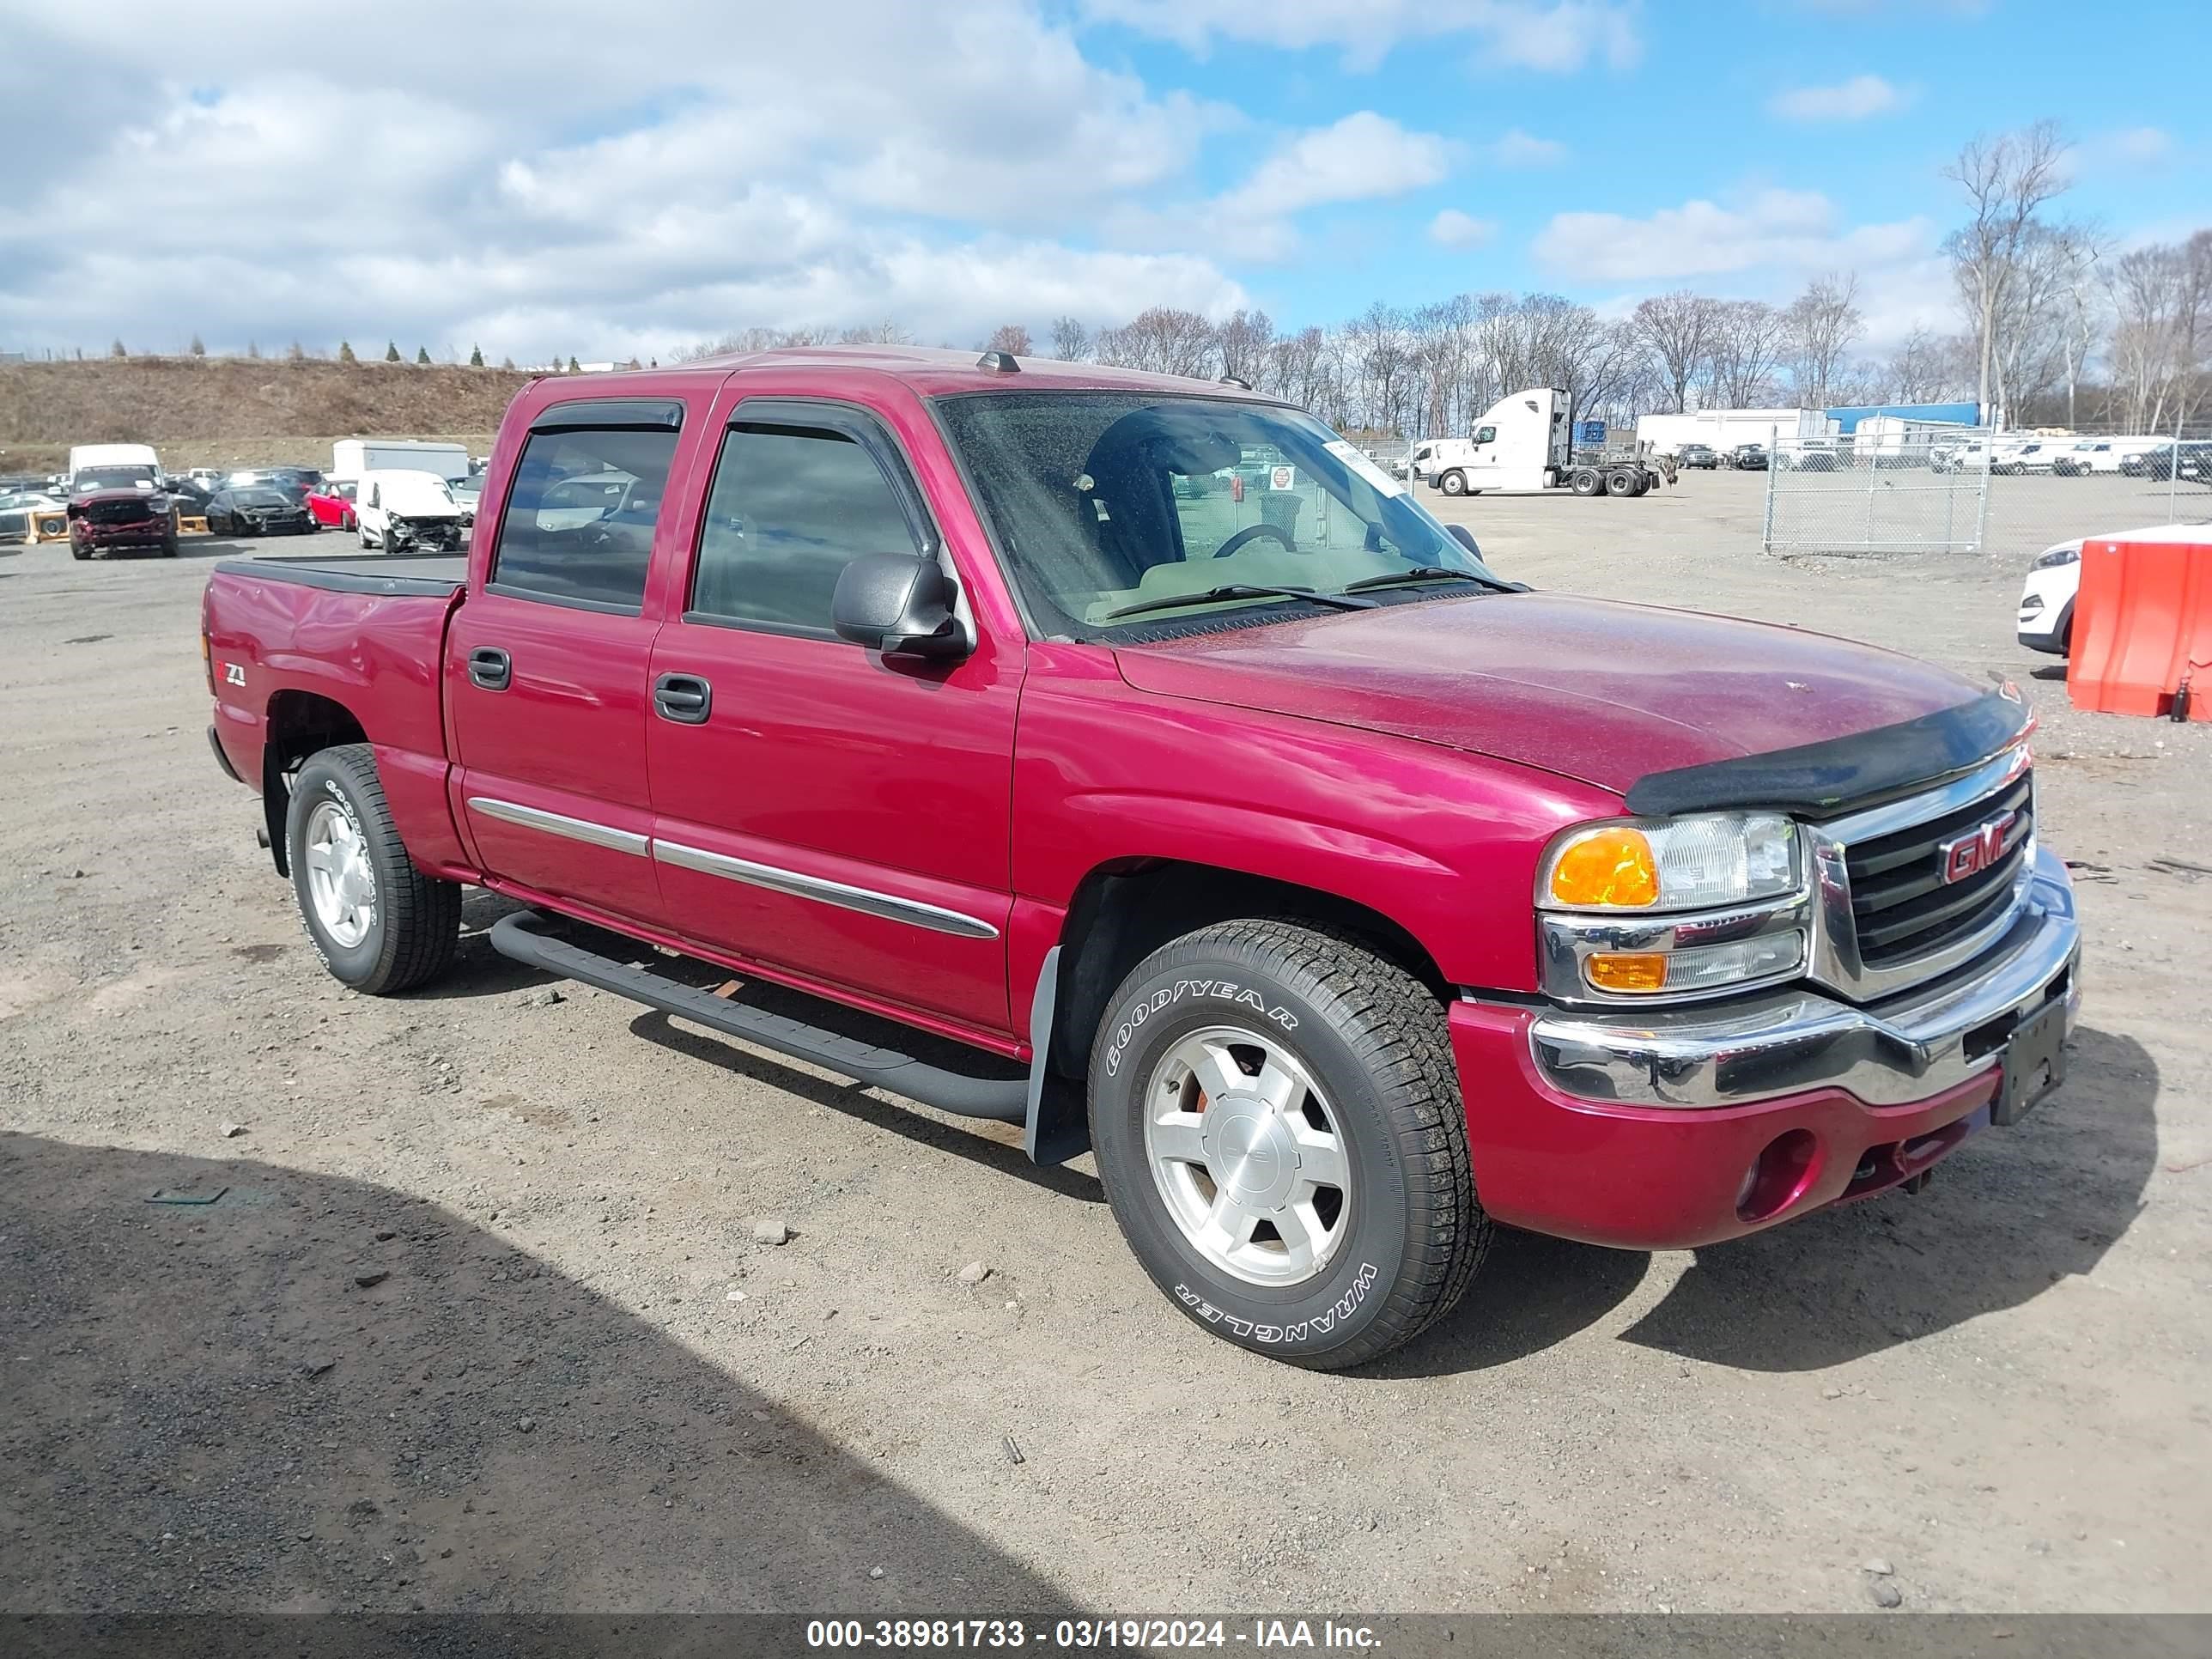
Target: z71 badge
column 233, row 673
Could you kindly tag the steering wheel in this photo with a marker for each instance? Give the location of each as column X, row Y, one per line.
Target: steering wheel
column 1249, row 532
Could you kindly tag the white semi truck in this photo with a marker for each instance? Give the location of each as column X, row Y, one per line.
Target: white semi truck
column 1523, row 445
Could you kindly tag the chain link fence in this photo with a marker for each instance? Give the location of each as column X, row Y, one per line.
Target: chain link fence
column 1910, row 488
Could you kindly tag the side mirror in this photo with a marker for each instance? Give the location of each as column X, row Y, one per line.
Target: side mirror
column 1465, row 537
column 899, row 604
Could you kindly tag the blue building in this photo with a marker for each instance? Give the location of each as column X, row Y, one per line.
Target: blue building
column 1847, row 418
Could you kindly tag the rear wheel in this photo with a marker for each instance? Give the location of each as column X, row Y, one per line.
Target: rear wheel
column 1621, row 481
column 1279, row 1130
column 378, row 923
column 1453, row 483
column 1585, row 481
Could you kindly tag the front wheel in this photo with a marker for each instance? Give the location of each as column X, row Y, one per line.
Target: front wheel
column 378, row 923
column 1279, row 1127
column 1453, row 483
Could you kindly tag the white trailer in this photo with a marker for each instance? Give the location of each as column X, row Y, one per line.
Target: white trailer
column 355, row 457
column 1523, row 445
column 1725, row 429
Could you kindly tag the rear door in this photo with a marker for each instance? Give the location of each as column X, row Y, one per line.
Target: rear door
column 819, row 807
column 547, row 664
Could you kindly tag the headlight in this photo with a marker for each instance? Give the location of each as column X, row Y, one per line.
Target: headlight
column 2059, row 555
column 1671, row 864
column 1673, row 907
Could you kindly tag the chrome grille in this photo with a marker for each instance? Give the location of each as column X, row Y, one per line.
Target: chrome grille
column 1903, row 907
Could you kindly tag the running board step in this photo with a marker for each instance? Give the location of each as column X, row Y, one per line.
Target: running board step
column 1005, row 1100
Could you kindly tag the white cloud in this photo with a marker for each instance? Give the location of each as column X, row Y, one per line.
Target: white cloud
column 1454, row 229
column 2137, row 144
column 1793, row 229
column 1363, row 156
column 789, row 166
column 1552, row 36
column 1521, row 149
column 1855, row 100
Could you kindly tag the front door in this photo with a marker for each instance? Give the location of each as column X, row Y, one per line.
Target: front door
column 547, row 668
column 818, row 806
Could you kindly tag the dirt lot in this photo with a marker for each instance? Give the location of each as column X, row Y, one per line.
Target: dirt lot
column 463, row 1331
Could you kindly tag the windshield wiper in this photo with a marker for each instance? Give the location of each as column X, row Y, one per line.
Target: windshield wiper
column 1236, row 591
column 1421, row 573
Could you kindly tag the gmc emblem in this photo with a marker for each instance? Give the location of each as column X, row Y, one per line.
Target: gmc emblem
column 1975, row 850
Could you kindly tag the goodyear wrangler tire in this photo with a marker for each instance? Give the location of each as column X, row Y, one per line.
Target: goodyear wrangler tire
column 379, row 924
column 1279, row 1127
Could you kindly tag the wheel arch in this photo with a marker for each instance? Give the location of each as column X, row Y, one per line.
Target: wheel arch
column 1125, row 909
column 299, row 724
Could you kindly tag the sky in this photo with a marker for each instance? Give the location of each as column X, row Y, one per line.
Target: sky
column 541, row 179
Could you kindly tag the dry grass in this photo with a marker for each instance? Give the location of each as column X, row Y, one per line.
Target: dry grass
column 217, row 411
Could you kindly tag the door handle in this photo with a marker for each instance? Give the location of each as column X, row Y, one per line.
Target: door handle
column 684, row 698
column 488, row 667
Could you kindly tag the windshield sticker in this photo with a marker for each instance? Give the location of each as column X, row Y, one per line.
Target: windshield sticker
column 1365, row 468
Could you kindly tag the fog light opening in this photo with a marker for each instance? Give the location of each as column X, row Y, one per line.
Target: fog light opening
column 1778, row 1177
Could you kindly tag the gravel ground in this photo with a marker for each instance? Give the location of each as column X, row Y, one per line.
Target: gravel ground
column 479, row 1319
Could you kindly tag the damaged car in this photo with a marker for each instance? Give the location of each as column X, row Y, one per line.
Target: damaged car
column 408, row 512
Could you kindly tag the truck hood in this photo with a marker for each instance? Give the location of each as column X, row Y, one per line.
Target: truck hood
column 1593, row 689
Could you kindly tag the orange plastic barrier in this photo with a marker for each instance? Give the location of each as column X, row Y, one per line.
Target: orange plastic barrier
column 2142, row 622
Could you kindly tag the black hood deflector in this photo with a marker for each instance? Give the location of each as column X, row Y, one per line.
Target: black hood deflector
column 1841, row 775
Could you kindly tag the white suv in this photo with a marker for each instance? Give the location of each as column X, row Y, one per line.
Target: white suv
column 2046, row 603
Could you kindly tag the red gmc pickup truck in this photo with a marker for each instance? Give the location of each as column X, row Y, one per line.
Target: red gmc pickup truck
column 1341, row 896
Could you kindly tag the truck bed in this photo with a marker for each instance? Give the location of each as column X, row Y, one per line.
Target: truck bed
column 434, row 574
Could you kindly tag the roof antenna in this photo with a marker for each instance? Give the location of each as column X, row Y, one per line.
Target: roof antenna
column 1238, row 381
column 999, row 362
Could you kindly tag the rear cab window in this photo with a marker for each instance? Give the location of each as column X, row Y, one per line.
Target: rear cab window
column 578, row 526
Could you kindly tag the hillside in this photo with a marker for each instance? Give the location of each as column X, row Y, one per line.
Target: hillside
column 219, row 412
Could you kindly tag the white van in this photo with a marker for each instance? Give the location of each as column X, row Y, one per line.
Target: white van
column 356, row 458
column 113, row 466
column 404, row 510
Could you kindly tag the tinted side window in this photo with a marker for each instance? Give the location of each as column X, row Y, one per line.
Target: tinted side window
column 580, row 516
column 791, row 506
column 1486, row 435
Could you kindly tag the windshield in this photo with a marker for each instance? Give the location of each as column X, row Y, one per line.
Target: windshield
column 1106, row 500
column 259, row 498
column 114, row 478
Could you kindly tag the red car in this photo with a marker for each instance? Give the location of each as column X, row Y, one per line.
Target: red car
column 330, row 503
column 1343, row 896
column 109, row 520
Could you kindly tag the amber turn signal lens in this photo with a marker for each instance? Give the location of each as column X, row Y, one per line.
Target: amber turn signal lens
column 1645, row 971
column 1611, row 866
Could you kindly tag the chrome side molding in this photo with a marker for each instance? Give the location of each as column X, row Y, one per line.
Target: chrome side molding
column 557, row 823
column 866, row 900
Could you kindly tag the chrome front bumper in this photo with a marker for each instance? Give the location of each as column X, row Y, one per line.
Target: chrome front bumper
column 1902, row 1048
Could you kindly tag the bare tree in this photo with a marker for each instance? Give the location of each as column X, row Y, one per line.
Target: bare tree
column 1244, row 340
column 1823, row 325
column 1163, row 340
column 1678, row 327
column 1299, row 368
column 1926, row 368
column 2162, row 303
column 1746, row 349
column 1010, row 337
column 2008, row 180
column 1071, row 341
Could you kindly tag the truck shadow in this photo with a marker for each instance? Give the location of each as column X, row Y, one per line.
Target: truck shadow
column 314, row 1394
column 2009, row 1215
